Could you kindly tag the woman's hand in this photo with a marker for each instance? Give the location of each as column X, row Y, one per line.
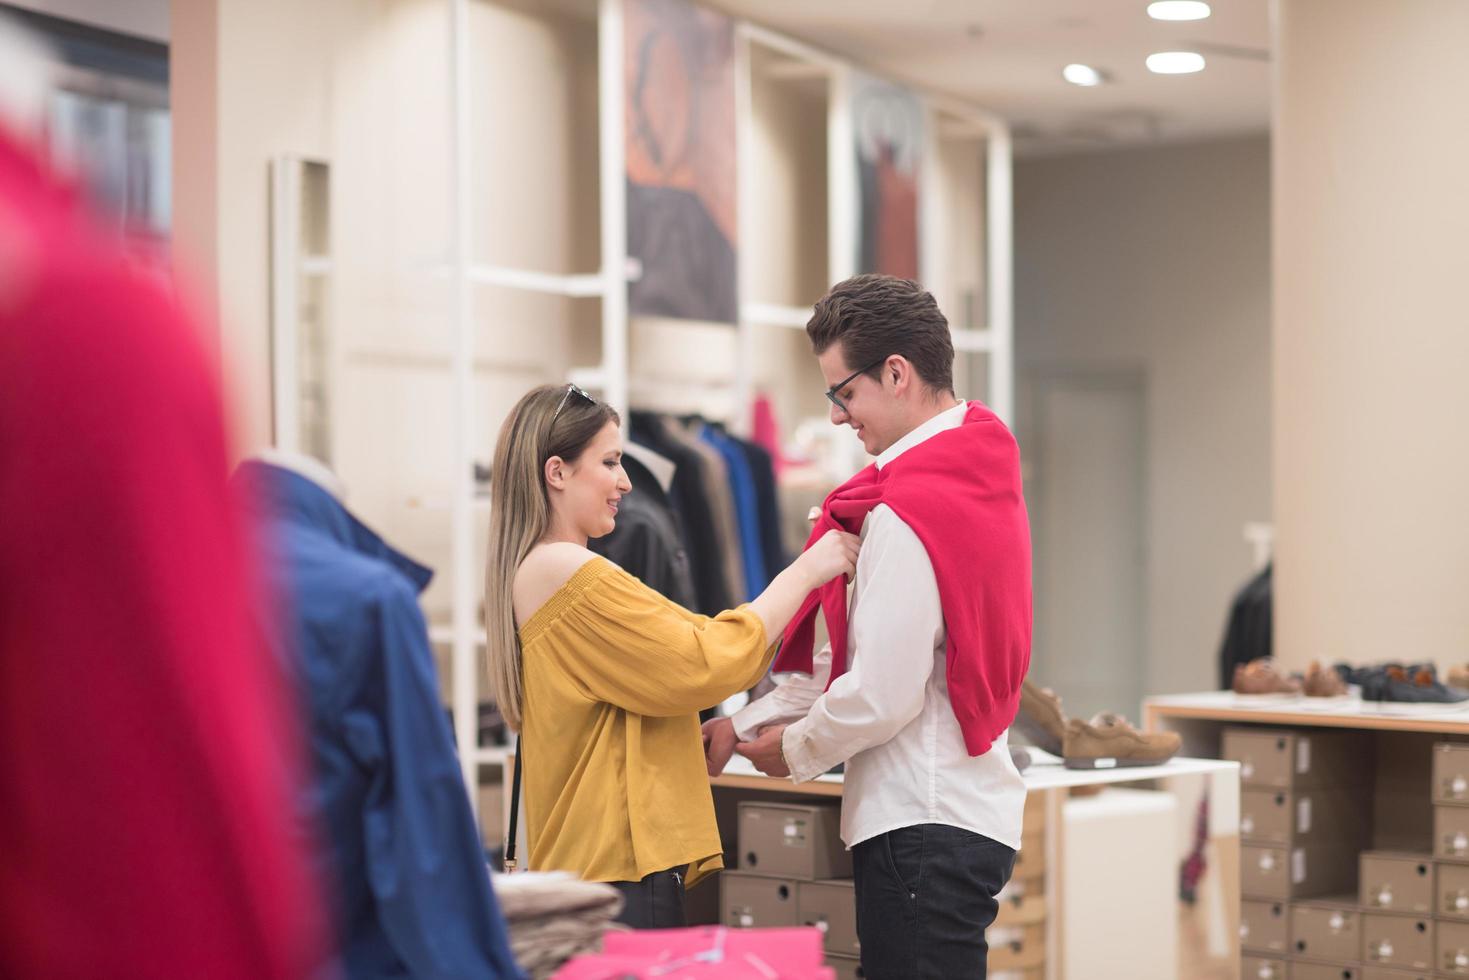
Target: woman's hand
column 834, row 553
column 719, row 744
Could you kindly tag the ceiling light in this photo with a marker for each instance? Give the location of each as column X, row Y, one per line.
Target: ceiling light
column 1084, row 75
column 1178, row 10
column 1175, row 62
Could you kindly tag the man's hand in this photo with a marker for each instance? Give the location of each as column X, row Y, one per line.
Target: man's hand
column 765, row 751
column 719, row 744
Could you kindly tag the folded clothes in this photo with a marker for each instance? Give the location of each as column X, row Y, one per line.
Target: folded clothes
column 532, row 894
column 555, row 916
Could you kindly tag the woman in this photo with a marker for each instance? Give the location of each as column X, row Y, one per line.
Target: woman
column 604, row 678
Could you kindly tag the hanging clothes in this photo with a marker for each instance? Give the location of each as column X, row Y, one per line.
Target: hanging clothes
column 747, row 508
column 695, row 511
column 726, row 521
column 401, row 846
column 767, row 503
column 646, row 542
column 1247, row 632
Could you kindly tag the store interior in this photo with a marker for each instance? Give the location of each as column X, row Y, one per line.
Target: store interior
column 1216, row 302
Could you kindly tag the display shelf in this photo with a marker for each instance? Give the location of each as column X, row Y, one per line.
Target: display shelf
column 1349, row 712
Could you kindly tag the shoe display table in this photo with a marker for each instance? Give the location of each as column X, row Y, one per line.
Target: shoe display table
column 1368, row 768
column 1077, row 836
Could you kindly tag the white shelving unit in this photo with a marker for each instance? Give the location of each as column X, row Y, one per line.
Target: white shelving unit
column 785, row 61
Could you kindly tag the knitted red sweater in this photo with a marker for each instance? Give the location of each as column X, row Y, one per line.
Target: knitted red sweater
column 960, row 492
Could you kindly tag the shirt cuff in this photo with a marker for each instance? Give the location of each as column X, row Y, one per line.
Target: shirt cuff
column 800, row 755
column 752, row 717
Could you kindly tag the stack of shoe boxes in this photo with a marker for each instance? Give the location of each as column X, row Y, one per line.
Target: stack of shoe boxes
column 1451, row 857
column 1017, row 939
column 794, row 870
column 1304, row 820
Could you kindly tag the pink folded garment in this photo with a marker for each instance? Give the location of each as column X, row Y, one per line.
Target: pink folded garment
column 705, row 953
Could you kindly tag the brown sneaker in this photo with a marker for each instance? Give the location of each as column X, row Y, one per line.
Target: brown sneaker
column 1259, row 677
column 1115, row 743
column 1324, row 683
column 1041, row 719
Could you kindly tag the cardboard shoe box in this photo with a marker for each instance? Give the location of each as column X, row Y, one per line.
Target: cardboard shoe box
column 1378, row 973
column 1015, row 947
column 790, row 840
column 1451, row 772
column 1451, row 833
column 1309, row 816
column 1273, row 872
column 1326, row 931
column 1453, row 891
column 1303, row 970
column 830, row 906
column 755, row 901
column 1262, row 968
column 1298, row 760
column 1264, row 927
column 1453, row 949
column 1400, row 941
column 1397, row 882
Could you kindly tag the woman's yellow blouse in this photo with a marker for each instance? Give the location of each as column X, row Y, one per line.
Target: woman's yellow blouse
column 614, row 677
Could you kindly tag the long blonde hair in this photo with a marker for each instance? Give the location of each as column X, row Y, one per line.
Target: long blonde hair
column 552, row 420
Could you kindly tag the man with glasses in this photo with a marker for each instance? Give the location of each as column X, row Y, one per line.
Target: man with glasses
column 918, row 688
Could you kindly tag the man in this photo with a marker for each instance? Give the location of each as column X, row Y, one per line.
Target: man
column 917, row 699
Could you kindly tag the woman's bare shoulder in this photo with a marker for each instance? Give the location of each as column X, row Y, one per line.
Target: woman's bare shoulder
column 543, row 572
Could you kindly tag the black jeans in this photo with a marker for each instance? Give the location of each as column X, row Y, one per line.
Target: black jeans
column 925, row 896
column 656, row 902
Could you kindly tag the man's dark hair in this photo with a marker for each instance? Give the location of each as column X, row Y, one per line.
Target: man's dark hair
column 874, row 317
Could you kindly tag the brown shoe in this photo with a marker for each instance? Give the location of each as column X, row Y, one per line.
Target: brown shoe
column 1259, row 677
column 1115, row 743
column 1324, row 683
column 1041, row 719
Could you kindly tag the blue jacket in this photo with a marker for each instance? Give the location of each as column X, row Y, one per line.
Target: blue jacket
column 412, row 890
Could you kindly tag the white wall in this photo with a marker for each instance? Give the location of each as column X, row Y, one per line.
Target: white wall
column 1157, row 261
column 1371, row 334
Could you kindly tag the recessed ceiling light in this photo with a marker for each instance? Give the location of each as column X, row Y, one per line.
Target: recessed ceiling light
column 1175, row 62
column 1178, row 10
column 1084, row 75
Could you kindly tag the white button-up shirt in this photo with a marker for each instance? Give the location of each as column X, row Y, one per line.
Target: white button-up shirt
column 889, row 717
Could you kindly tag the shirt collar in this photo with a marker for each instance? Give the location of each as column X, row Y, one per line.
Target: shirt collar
column 949, row 418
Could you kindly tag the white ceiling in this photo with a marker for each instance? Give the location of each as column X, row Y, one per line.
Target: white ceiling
column 1007, row 55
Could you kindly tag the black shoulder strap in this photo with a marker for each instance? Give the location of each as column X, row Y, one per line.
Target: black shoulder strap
column 514, row 807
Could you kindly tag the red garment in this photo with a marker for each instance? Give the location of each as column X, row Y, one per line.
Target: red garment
column 960, row 492
column 146, row 741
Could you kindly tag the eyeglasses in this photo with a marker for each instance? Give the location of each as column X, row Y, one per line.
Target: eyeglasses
column 831, row 393
column 570, row 389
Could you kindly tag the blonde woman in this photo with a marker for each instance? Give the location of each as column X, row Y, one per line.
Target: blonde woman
column 603, row 677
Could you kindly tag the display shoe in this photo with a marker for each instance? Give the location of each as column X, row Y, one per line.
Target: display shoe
column 1041, row 719
column 1322, row 683
column 1414, row 684
column 1108, row 741
column 1260, row 677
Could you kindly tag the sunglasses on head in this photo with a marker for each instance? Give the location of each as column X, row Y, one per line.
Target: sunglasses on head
column 570, row 390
